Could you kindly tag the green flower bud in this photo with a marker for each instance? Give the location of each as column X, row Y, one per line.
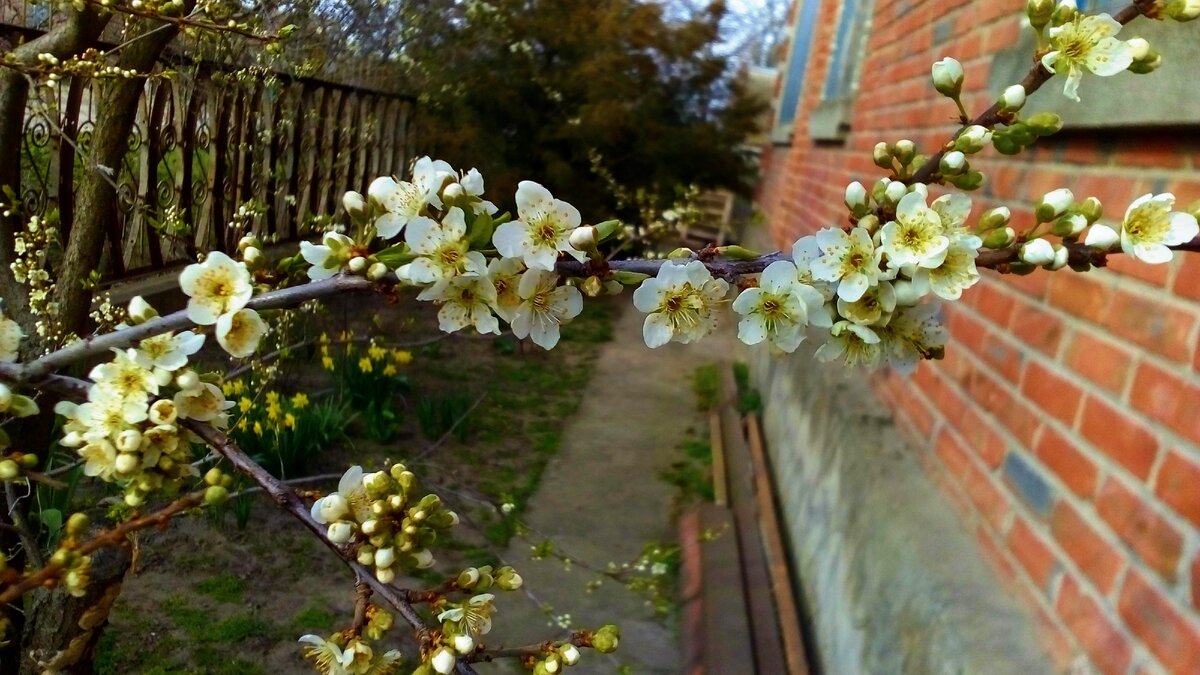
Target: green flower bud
column 213, row 476
column 1069, row 225
column 952, row 163
column 1090, row 208
column 1181, row 10
column 76, row 525
column 140, row 311
column 972, row 139
column 1053, row 204
column 605, row 640
column 869, row 222
column 993, row 218
column 1065, row 12
column 971, row 180
column 377, row 271
column 629, row 278
column 215, row 494
column 507, row 579
column 681, row 254
column 882, row 156
column 904, row 151
column 9, row 470
column 1039, row 13
column 1044, row 124
column 607, row 229
column 467, row 578
column 28, row 460
column 856, row 198
column 1004, row 144
column 1000, row 238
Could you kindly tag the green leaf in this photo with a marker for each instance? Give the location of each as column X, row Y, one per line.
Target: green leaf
column 479, row 232
column 22, row 406
column 395, row 256
column 52, row 520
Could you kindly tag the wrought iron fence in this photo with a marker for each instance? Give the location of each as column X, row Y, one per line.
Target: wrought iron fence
column 207, row 144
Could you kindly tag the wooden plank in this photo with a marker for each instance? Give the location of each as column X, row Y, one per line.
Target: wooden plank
column 777, row 562
column 719, row 473
column 756, row 580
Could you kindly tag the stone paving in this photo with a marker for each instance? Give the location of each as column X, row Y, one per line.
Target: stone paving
column 601, row 498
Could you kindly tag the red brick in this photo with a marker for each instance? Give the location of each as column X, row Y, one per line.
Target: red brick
column 1179, row 485
column 1119, row 435
column 1100, row 361
column 1150, row 536
column 1101, row 639
column 1168, row 634
column 1099, row 560
column 1167, row 398
column 952, row 454
column 1037, row 328
column 988, row 499
column 1157, row 326
column 1081, row 295
column 1132, row 267
column 1187, row 280
column 1067, row 461
column 1004, row 356
column 994, row 304
column 1033, row 553
column 1051, row 392
column 1196, row 583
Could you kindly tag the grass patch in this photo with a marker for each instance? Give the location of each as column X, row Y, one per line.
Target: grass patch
column 313, row 619
column 692, row 474
column 706, row 384
column 222, row 588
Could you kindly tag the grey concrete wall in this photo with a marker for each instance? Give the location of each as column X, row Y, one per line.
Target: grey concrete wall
column 892, row 580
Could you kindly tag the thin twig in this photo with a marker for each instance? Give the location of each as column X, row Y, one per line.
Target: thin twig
column 28, row 541
column 461, row 418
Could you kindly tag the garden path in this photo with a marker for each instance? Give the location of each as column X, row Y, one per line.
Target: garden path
column 601, row 498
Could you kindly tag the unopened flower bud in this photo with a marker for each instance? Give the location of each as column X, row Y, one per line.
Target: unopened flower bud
column 385, row 575
column 1013, row 98
column 1101, row 237
column 953, row 162
column 1044, row 124
column 972, row 139
column 1069, row 225
column 904, row 150
column 1000, row 238
column 993, row 218
column 129, row 440
column 443, row 661
column 340, row 532
column 187, row 380
column 377, row 271
column 948, row 77
column 453, row 191
column 869, row 222
column 384, row 557
column 253, row 256
column 1061, row 255
column 6, row 397
column 507, row 579
column 583, row 238
column 569, row 654
column 882, row 156
column 1090, row 208
column 1037, row 252
column 1039, row 13
column 423, row 558
column 216, row 494
column 9, row 470
column 77, row 524
column 463, row 644
column 1148, row 63
column 856, row 198
column 468, row 578
column 358, row 264
column 381, row 189
column 354, row 203
column 248, row 241
column 126, row 462
column 163, row 411
column 1053, row 204
column 1065, row 12
column 370, row 527
column 331, row 508
column 606, row 639
column 592, row 286
column 213, row 476
column 140, row 311
column 895, row 192
column 377, row 483
column 1182, row 10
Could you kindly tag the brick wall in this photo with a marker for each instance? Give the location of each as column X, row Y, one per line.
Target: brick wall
column 1064, row 421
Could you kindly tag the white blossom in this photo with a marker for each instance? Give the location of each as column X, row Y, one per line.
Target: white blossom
column 217, row 286
column 913, row 334
column 915, row 237
column 1150, row 226
column 1086, row 42
column 442, row 249
column 406, row 201
column 10, row 339
column 855, row 345
column 465, row 301
column 239, row 332
column 204, row 403
column 328, row 257
column 168, row 351
column 542, row 230
column 505, row 274
column 545, row 306
column 779, row 309
column 848, row 259
column 680, row 302
column 874, row 307
column 957, row 272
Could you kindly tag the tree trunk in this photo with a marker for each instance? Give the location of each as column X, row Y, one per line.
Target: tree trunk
column 96, row 195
